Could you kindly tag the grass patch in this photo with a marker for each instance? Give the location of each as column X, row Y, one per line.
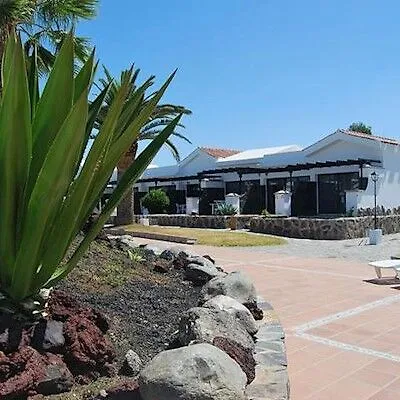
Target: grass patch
column 212, row 237
column 104, row 268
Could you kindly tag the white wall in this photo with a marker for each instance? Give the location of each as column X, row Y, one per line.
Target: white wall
column 335, row 147
column 388, row 185
column 212, row 184
column 345, row 150
column 199, row 162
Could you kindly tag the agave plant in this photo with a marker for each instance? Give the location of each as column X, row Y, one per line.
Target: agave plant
column 49, row 183
column 226, row 209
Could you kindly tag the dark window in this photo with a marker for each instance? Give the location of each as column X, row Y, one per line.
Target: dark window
column 276, row 184
column 232, row 187
column 192, row 190
column 332, row 191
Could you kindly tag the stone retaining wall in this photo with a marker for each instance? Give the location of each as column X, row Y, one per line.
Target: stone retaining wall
column 324, row 229
column 272, row 379
column 201, row 221
column 303, row 228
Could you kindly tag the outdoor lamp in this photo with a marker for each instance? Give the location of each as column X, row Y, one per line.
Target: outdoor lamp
column 374, row 178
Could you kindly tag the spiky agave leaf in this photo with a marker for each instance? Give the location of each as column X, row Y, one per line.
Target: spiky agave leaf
column 48, row 188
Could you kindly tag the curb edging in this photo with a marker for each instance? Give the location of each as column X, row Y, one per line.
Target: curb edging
column 272, row 380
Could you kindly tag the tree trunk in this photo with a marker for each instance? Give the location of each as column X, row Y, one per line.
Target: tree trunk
column 125, row 210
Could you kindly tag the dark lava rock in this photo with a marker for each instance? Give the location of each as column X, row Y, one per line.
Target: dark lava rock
column 209, row 258
column 128, row 390
column 12, row 334
column 57, row 378
column 168, row 255
column 63, row 305
column 48, row 336
column 27, row 363
column 20, row 372
column 143, row 313
column 88, row 353
column 244, row 357
column 180, row 262
column 257, row 312
column 162, row 266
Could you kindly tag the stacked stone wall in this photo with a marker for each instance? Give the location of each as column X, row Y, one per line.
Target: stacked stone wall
column 324, row 228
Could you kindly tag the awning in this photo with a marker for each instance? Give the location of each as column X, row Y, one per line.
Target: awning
column 289, row 168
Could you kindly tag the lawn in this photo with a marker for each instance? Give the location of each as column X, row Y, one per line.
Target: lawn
column 213, row 237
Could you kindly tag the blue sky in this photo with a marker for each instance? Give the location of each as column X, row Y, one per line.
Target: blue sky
column 261, row 73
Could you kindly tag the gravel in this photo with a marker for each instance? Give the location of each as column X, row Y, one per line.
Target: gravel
column 143, row 306
column 354, row 249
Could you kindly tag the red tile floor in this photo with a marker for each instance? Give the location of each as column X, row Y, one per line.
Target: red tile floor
column 342, row 333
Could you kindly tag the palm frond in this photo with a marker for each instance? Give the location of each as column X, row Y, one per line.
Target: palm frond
column 81, row 44
column 174, row 150
column 170, row 108
column 15, row 11
column 65, row 12
column 45, row 58
column 162, row 114
column 156, row 123
column 151, row 134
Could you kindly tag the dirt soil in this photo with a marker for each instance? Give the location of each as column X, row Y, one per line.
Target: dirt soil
column 143, row 306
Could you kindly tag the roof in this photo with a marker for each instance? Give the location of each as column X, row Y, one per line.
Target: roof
column 219, row 153
column 260, row 153
column 371, row 137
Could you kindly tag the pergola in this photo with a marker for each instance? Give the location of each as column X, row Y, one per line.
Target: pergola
column 168, row 179
column 361, row 162
column 290, row 168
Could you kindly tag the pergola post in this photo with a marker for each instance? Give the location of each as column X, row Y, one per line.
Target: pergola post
column 240, row 183
column 291, row 180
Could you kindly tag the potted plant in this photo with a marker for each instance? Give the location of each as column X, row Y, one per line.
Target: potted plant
column 228, row 209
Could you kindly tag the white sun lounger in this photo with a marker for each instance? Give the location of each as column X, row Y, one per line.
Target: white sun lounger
column 386, row 264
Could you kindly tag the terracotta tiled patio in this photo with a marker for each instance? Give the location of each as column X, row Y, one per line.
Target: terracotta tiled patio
column 343, row 334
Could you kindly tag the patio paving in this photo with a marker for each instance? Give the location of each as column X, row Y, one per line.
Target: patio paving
column 342, row 332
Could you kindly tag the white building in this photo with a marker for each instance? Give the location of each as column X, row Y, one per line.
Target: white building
column 332, row 176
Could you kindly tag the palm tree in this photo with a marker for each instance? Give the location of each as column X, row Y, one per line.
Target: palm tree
column 161, row 117
column 44, row 24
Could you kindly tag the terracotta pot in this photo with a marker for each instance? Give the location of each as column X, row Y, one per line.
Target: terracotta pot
column 233, row 222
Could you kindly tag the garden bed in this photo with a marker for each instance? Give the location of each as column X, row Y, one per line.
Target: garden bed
column 141, row 299
column 142, row 305
column 135, row 323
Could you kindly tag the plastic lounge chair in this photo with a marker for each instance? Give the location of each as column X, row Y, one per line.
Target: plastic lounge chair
column 386, row 264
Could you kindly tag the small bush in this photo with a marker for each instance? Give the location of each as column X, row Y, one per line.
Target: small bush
column 265, row 213
column 156, row 201
column 226, row 209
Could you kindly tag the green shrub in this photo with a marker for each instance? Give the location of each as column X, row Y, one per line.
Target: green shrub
column 156, row 201
column 265, row 213
column 49, row 185
column 226, row 209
